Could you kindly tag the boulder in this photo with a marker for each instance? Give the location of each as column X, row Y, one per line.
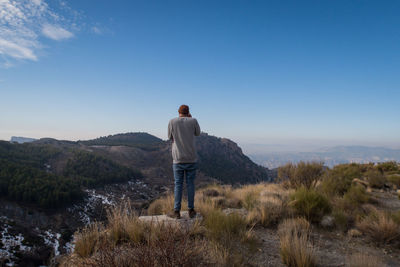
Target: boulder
column 360, row 182
column 327, row 221
column 184, row 221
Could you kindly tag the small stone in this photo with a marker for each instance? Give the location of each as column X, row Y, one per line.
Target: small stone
column 327, row 221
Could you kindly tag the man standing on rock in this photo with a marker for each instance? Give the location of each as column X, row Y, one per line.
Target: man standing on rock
column 182, row 131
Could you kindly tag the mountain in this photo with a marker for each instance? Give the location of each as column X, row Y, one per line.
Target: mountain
column 330, row 155
column 219, row 158
column 224, row 160
column 21, row 140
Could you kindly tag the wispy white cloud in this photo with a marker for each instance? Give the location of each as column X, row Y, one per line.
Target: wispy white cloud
column 23, row 26
column 56, row 32
column 96, row 30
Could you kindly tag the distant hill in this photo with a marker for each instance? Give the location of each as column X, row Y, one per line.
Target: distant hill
column 330, row 155
column 140, row 140
column 21, row 140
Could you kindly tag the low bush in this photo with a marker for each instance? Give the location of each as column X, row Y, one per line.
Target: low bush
column 375, row 178
column 380, row 227
column 338, row 180
column 304, row 174
column 364, row 260
column 394, row 179
column 310, row 204
column 355, row 196
column 389, row 166
column 233, row 244
column 396, row 217
column 342, row 220
column 295, row 247
column 224, row 228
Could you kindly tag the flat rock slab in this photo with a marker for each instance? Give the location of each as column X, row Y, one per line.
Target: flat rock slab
column 184, row 220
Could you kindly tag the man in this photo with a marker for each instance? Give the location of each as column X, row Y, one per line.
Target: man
column 182, row 131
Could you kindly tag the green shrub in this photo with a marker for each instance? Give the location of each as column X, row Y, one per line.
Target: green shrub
column 310, row 204
column 396, row 217
column 375, row 178
column 338, row 180
column 394, row 179
column 342, row 221
column 390, row 166
column 301, row 174
column 355, row 196
column 224, row 228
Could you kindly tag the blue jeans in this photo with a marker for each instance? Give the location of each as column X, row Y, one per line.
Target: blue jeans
column 180, row 170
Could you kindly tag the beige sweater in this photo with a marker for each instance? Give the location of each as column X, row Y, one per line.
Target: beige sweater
column 182, row 131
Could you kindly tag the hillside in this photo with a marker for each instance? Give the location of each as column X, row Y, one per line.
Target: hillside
column 31, row 173
column 224, row 160
column 49, row 187
column 349, row 217
column 219, row 158
column 291, row 223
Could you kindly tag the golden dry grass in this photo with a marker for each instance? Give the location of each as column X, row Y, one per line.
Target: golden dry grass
column 164, row 205
column 364, row 260
column 379, row 226
column 295, row 247
column 87, row 240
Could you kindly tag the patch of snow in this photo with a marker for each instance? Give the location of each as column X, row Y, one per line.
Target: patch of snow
column 69, row 246
column 52, row 240
column 11, row 244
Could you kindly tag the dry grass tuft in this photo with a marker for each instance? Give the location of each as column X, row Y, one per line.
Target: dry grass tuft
column 124, row 225
column 127, row 241
column 87, row 240
column 267, row 214
column 164, row 205
column 364, row 260
column 248, row 195
column 380, row 227
column 295, row 247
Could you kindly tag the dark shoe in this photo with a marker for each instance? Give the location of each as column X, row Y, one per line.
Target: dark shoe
column 192, row 213
column 176, row 214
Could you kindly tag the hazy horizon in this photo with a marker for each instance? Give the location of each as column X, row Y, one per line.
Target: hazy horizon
column 300, row 74
column 305, row 145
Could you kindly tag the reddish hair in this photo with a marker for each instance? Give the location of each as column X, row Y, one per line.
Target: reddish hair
column 183, row 109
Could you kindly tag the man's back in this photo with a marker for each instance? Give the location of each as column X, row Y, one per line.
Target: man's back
column 182, row 131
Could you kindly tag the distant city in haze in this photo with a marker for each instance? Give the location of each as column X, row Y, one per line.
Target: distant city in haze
column 273, row 76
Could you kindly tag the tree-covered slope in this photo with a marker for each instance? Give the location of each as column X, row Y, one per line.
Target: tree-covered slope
column 140, row 140
column 26, row 173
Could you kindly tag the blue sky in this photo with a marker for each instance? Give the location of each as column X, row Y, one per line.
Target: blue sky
column 265, row 72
